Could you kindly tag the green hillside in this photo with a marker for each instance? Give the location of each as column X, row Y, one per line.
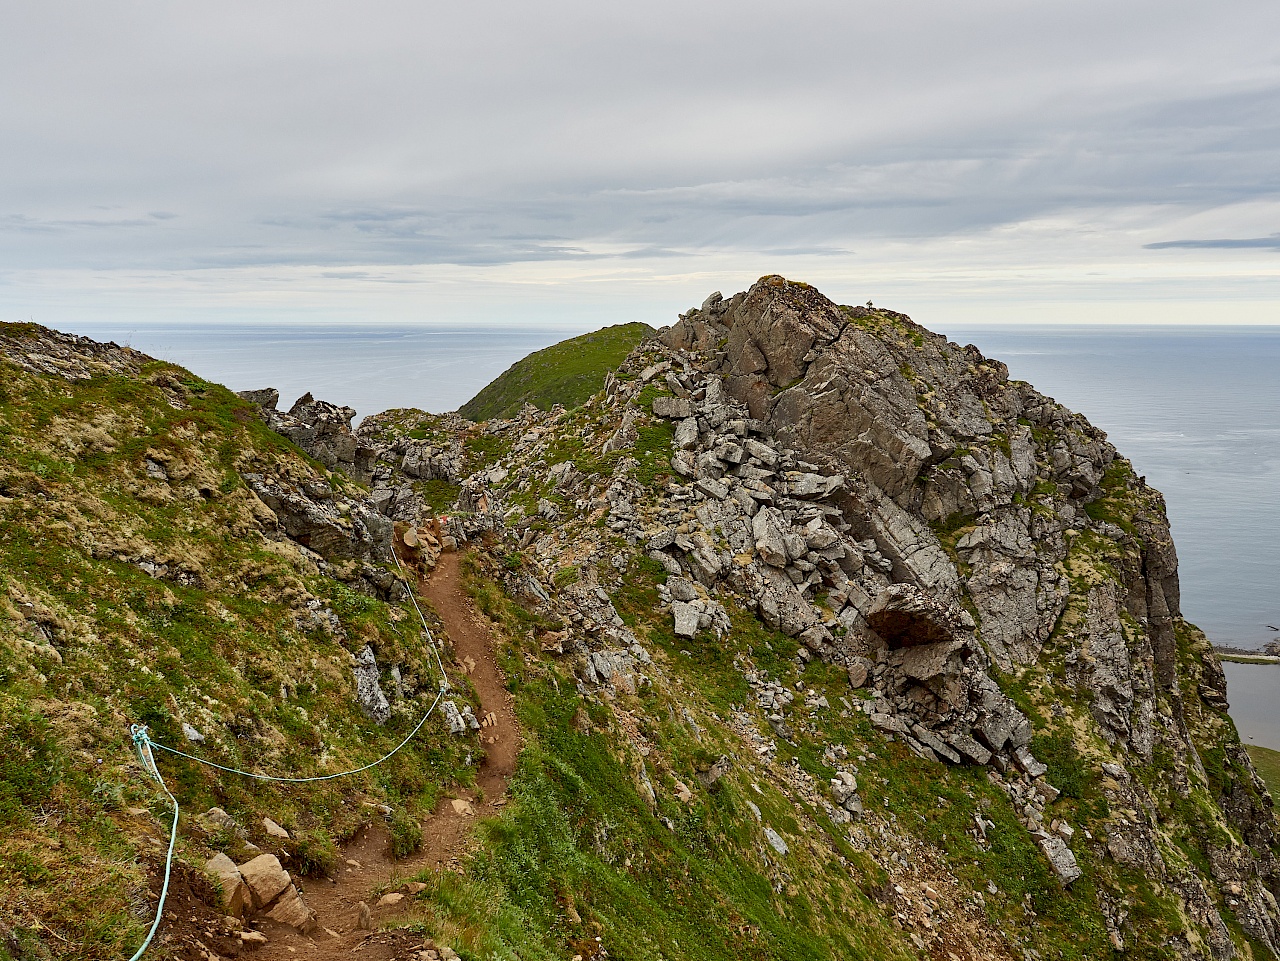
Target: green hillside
column 1267, row 762
column 143, row 581
column 565, row 373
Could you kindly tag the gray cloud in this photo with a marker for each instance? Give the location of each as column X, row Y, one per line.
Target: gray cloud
column 1260, row 243
column 154, row 137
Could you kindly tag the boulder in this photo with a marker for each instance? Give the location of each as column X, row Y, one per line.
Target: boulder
column 682, row 589
column 859, row 671
column 672, row 408
column 968, row 747
column 1028, row 763
column 687, row 434
column 1060, row 858
column 265, row 878
column 266, row 399
column 453, row 717
column 686, row 619
column 369, row 693
column 235, row 893
column 770, row 528
column 290, row 909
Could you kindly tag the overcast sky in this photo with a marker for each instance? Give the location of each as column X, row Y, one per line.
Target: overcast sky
column 583, row 163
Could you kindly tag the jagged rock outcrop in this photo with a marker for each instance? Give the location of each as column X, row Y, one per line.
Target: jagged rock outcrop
column 320, row 428
column 976, row 490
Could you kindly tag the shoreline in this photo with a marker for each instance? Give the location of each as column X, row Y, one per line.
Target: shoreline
column 1240, row 656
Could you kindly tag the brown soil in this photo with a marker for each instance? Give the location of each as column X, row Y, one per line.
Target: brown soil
column 367, row 864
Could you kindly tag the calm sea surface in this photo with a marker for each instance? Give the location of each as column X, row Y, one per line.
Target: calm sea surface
column 1195, row 409
column 369, row 368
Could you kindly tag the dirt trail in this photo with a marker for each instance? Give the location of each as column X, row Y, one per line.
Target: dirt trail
column 367, row 863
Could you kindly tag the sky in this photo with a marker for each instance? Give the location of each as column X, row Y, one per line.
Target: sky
column 577, row 163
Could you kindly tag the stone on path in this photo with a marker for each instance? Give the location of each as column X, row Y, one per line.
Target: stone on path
column 235, row 893
column 265, row 878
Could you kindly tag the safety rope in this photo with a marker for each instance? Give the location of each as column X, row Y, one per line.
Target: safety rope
column 303, row 780
column 444, row 689
column 144, row 746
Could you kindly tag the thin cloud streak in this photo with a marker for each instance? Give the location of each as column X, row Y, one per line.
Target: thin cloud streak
column 1260, row 243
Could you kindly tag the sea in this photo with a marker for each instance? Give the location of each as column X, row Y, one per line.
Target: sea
column 1194, row 408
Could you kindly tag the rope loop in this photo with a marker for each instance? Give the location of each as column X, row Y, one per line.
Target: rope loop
column 144, row 747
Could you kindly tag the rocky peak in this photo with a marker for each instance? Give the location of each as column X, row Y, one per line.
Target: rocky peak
column 988, row 499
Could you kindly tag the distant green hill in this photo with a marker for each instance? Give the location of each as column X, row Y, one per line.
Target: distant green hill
column 565, row 373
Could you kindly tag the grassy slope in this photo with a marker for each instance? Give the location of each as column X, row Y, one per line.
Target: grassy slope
column 89, row 643
column 565, row 373
column 1267, row 762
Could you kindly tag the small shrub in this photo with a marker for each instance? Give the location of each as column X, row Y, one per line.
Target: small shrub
column 314, row 853
column 406, row 834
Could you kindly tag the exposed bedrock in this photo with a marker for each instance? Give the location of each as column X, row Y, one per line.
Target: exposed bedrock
column 982, row 533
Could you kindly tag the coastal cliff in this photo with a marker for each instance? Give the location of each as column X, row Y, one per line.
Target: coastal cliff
column 826, row 639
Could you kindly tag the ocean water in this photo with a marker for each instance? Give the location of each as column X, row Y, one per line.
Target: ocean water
column 1253, row 691
column 370, row 368
column 1195, row 408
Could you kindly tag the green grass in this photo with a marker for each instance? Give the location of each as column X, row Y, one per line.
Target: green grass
column 565, row 373
column 1267, row 763
column 229, row 652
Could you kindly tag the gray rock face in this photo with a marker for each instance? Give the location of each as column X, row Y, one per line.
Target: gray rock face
column 369, row 693
column 906, row 616
column 334, row 527
column 954, row 522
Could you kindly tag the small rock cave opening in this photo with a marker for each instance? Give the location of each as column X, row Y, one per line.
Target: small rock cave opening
column 906, row 629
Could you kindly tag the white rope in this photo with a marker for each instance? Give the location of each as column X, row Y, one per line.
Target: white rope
column 143, row 745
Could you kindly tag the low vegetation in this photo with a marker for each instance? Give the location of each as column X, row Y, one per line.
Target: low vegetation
column 565, row 373
column 131, row 598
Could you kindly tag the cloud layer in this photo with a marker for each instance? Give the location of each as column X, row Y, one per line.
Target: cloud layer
column 394, row 159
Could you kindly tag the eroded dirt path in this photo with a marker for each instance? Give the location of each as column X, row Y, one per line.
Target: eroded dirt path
column 367, row 863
